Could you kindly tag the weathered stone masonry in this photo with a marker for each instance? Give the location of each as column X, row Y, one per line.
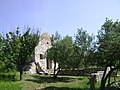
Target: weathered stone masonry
column 40, row 64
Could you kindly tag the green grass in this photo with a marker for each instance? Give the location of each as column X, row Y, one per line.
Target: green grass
column 9, row 86
column 61, row 82
column 46, row 82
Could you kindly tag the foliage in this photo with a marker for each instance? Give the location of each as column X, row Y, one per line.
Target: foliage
column 16, row 50
column 2, row 65
column 53, row 52
column 68, row 57
column 64, row 52
column 19, row 48
column 85, row 43
column 108, row 49
column 7, row 77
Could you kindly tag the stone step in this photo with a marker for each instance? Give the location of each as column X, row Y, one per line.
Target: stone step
column 50, row 71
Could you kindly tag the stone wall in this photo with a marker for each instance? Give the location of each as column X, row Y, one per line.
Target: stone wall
column 80, row 72
column 40, row 63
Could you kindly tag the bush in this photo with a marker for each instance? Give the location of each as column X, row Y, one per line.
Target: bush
column 7, row 76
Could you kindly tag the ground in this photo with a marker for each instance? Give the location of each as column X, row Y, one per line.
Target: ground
column 47, row 82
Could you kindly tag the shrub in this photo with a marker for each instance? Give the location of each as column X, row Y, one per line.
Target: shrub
column 7, row 76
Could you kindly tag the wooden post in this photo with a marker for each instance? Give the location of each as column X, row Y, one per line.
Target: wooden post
column 92, row 80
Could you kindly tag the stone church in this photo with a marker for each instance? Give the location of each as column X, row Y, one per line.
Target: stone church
column 40, row 64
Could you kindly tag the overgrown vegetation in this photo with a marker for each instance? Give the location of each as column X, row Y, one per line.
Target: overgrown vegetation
column 16, row 50
column 83, row 52
column 47, row 82
column 104, row 52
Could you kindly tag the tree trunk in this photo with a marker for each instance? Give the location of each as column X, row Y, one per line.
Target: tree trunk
column 103, row 81
column 57, row 72
column 21, row 72
column 109, row 77
column 55, row 69
column 105, row 77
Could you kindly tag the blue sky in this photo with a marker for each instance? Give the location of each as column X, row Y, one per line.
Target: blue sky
column 64, row 16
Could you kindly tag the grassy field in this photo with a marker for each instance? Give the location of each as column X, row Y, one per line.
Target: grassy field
column 47, row 82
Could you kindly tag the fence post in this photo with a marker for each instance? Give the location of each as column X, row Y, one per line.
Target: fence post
column 92, row 80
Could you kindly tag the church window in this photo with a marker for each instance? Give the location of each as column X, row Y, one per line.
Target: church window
column 41, row 56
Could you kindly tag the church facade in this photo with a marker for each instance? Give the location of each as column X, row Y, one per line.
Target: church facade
column 40, row 63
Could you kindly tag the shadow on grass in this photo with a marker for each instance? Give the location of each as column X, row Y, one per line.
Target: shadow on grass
column 50, row 79
column 60, row 88
column 66, row 88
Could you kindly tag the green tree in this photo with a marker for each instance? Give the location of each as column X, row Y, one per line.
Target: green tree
column 85, row 43
column 108, row 50
column 2, row 65
column 19, row 48
column 53, row 52
column 68, row 58
column 5, row 64
column 65, row 53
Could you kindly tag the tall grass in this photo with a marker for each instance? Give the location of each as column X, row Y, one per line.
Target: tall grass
column 10, row 86
column 8, row 81
column 47, row 82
